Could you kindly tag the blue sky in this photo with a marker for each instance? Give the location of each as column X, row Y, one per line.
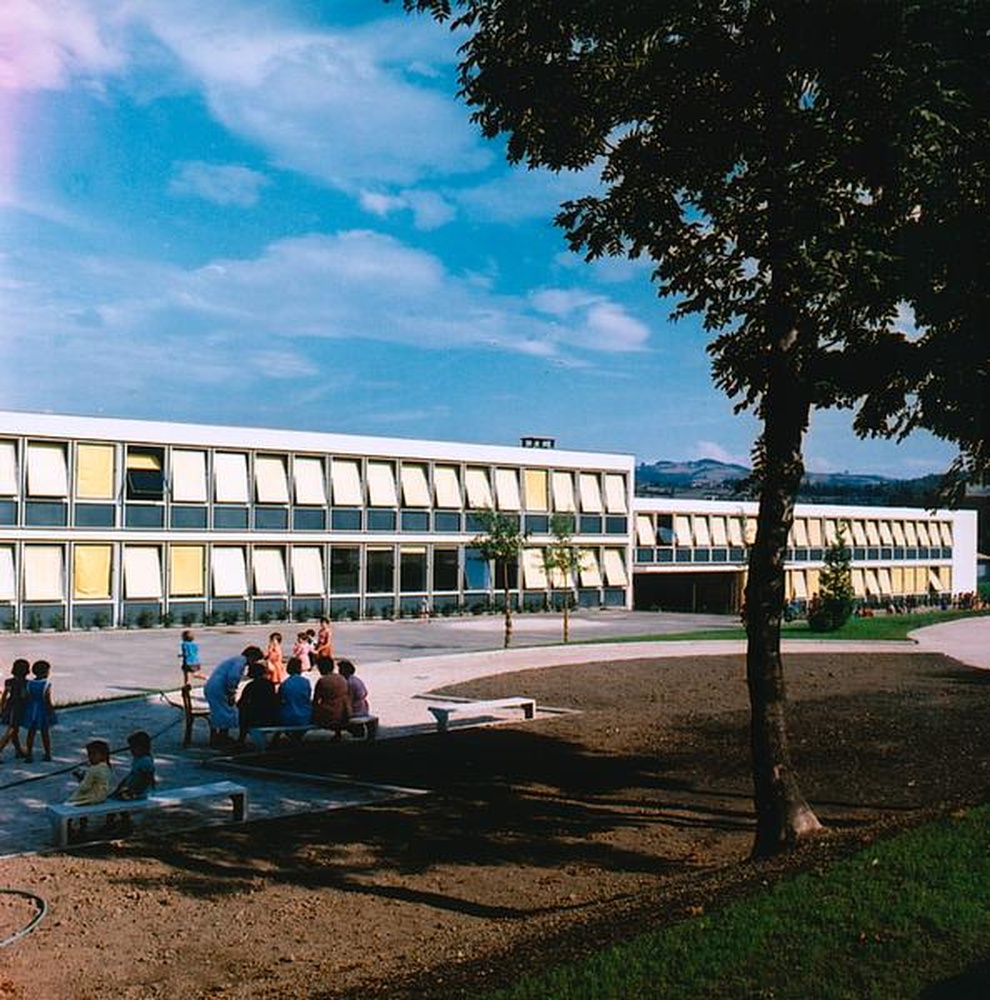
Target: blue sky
column 278, row 214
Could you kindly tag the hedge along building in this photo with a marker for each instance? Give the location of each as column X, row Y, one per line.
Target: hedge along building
column 112, row 522
column 691, row 555
column 115, row 522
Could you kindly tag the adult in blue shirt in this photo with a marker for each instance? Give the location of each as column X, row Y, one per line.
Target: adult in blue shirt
column 297, row 696
column 220, row 690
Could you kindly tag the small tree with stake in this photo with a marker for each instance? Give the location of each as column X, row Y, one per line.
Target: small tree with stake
column 561, row 558
column 501, row 542
column 833, row 605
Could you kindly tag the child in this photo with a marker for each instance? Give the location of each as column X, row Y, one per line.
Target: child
column 39, row 710
column 189, row 654
column 141, row 778
column 12, row 705
column 275, row 658
column 94, row 781
column 324, row 639
column 301, row 651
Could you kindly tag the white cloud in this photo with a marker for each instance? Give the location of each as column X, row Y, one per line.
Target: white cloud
column 221, row 183
column 430, row 210
column 45, row 44
column 593, row 321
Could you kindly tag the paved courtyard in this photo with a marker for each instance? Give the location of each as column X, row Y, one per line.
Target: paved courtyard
column 400, row 661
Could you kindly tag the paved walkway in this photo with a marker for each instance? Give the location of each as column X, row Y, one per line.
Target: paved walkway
column 397, row 686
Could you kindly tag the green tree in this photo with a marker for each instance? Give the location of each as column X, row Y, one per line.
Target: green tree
column 831, row 607
column 501, row 542
column 562, row 559
column 763, row 155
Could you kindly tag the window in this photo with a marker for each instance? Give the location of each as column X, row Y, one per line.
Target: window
column 535, row 482
column 345, row 569
column 447, row 488
column 8, row 576
column 91, row 572
column 309, row 519
column 665, row 529
column 507, row 489
column 45, row 514
column 415, row 520
column 345, row 520
column 186, row 564
column 142, row 572
column 615, row 567
column 145, row 475
column 8, row 512
column 719, row 535
column 380, row 571
column 412, row 569
column 229, row 572
column 562, row 487
column 381, row 485
column 615, row 493
column 230, row 518
column 184, row 517
column 140, row 516
column 271, row 518
column 534, row 571
column 479, row 491
column 43, row 573
column 46, row 472
column 446, row 521
column 538, row 524
column 616, row 525
column 269, row 571
column 682, row 530
column 445, row 569
column 95, row 515
column 345, row 481
column 310, row 483
column 589, row 524
column 588, row 571
column 270, row 483
column 415, row 488
column 94, row 471
column 8, row 469
column 188, row 476
column 477, row 572
column 590, row 491
column 381, row 520
column 307, row 570
column 230, row 477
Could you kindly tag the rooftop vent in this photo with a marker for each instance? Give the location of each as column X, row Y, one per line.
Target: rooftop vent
column 538, row 442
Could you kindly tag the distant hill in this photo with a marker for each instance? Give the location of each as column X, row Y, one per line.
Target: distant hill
column 711, row 479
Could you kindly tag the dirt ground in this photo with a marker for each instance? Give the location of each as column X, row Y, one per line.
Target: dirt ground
column 540, row 840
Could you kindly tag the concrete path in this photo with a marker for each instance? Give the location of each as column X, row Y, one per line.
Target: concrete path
column 398, row 687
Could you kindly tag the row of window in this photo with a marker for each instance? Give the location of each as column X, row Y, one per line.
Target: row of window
column 184, row 475
column 895, row 581
column 736, row 555
column 86, row 571
column 229, row 517
column 716, row 530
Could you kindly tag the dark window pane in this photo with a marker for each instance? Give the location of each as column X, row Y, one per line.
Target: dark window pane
column 665, row 555
column 644, row 555
column 445, row 569
column 507, row 573
column 590, row 524
column 145, row 484
column 94, row 515
column 665, row 529
column 345, row 519
column 189, row 517
column 230, row 518
column 737, row 555
column 473, row 523
column 345, row 566
column 8, row 512
column 271, row 518
column 702, row 555
column 380, row 576
column 138, row 516
column 720, row 555
column 447, row 520
column 683, row 555
column 476, row 571
column 381, row 520
column 412, row 571
column 538, row 524
column 309, row 519
column 415, row 520
column 45, row 513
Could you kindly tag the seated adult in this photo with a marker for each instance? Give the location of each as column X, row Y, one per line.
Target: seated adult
column 331, row 702
column 296, row 696
column 259, row 703
column 221, row 686
column 356, row 689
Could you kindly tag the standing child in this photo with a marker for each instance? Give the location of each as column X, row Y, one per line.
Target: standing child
column 12, row 705
column 275, row 659
column 39, row 709
column 139, row 781
column 301, row 651
column 189, row 654
column 324, row 639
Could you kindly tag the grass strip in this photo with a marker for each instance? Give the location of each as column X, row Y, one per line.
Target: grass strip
column 881, row 627
column 905, row 915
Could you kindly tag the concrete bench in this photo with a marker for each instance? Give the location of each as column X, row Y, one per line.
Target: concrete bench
column 442, row 713
column 61, row 814
column 363, row 727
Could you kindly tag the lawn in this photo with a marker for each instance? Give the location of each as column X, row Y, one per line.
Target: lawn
column 906, row 915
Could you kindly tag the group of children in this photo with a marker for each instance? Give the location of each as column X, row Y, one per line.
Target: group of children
column 27, row 704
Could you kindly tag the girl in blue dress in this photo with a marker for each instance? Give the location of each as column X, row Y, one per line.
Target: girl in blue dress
column 39, row 710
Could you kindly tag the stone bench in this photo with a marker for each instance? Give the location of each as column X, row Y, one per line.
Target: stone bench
column 442, row 713
column 362, row 727
column 61, row 814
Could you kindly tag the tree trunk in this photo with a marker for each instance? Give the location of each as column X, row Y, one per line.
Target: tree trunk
column 567, row 620
column 508, row 613
column 782, row 814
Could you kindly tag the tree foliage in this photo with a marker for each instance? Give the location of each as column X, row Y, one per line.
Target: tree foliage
column 831, row 607
column 501, row 542
column 779, row 163
column 562, row 561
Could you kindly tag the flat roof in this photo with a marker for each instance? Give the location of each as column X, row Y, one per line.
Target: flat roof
column 55, row 425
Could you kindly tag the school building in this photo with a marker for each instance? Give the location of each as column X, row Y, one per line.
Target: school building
column 107, row 522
